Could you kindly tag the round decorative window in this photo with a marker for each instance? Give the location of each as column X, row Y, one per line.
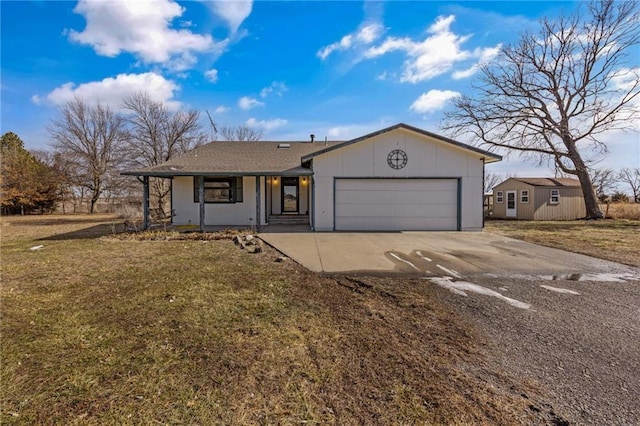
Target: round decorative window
column 397, row 159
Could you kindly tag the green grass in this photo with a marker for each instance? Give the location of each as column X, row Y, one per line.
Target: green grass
column 102, row 330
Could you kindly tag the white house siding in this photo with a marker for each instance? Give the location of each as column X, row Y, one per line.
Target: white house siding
column 427, row 158
column 303, row 204
column 276, row 195
column 244, row 213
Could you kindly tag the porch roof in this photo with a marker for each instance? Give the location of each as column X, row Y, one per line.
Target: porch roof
column 238, row 159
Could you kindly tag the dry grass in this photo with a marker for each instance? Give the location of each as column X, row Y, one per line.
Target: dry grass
column 622, row 211
column 101, row 330
column 615, row 240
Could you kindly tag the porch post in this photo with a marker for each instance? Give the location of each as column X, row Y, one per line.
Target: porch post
column 258, row 203
column 201, row 200
column 145, row 202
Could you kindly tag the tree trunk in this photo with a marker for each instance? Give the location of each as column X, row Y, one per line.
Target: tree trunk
column 94, row 201
column 589, row 193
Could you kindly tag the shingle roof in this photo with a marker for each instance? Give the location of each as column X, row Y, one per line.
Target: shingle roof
column 491, row 157
column 550, row 181
column 238, row 158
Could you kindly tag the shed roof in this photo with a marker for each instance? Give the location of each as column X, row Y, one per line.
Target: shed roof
column 568, row 182
column 238, row 158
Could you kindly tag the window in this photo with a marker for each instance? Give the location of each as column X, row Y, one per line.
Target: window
column 219, row 190
column 524, row 196
column 555, row 196
column 500, row 197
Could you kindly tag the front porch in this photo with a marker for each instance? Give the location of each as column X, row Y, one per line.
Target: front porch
column 288, row 196
column 233, row 200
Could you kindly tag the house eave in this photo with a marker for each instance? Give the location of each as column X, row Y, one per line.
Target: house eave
column 171, row 174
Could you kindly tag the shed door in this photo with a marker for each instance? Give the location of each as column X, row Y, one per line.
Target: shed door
column 396, row 204
column 512, row 209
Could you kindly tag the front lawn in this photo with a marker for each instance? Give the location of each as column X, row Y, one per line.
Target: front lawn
column 97, row 329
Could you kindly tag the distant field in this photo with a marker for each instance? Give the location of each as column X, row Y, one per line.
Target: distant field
column 101, row 330
column 615, row 240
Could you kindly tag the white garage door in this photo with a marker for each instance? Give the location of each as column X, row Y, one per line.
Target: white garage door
column 396, row 205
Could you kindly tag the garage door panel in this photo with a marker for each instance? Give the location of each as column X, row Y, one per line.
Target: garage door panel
column 382, row 224
column 393, row 210
column 395, row 196
column 396, row 204
column 405, row 184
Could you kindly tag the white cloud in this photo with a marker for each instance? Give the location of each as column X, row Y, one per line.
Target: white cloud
column 143, row 29
column 433, row 100
column 212, row 75
column 433, row 56
column 343, row 44
column 442, row 24
column 111, row 91
column 484, row 55
column 366, row 34
column 247, row 103
column 221, row 109
column 369, row 33
column 234, row 12
column 266, row 124
column 383, row 76
column 277, row 88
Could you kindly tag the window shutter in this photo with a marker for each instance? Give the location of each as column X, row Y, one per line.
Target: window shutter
column 238, row 189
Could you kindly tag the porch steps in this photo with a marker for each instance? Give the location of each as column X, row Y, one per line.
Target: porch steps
column 286, row 219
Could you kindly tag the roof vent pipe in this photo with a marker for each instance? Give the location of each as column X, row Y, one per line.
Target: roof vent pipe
column 312, row 137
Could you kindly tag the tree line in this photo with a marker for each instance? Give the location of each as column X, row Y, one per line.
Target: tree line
column 91, row 145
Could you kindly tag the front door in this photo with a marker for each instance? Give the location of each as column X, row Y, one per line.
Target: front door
column 290, row 195
column 512, row 210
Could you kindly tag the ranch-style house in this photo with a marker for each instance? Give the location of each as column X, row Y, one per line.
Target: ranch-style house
column 400, row 178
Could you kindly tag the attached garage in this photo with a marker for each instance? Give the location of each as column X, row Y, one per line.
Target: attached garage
column 398, row 179
column 396, row 204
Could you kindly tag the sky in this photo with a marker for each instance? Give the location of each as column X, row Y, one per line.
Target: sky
column 337, row 70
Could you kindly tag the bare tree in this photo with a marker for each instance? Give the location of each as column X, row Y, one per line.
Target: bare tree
column 241, row 133
column 491, row 180
column 632, row 178
column 156, row 135
column 91, row 137
column 554, row 93
column 604, row 182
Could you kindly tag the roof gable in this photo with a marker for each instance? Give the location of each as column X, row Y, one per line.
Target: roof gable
column 491, row 157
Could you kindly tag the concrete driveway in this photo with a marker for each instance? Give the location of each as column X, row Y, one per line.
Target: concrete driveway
column 451, row 254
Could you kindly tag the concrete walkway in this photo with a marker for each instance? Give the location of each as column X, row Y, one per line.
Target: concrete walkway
column 432, row 253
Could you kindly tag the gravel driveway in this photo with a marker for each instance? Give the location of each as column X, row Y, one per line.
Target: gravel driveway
column 578, row 340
